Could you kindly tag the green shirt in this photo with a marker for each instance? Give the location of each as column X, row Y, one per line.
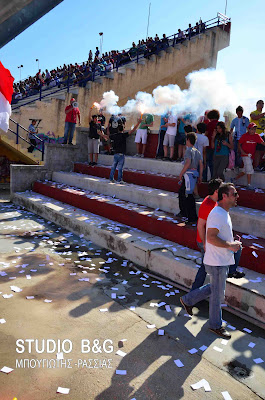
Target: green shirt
column 146, row 120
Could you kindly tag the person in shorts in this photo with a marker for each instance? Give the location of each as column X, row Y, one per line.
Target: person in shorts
column 141, row 133
column 247, row 146
column 95, row 132
column 169, row 139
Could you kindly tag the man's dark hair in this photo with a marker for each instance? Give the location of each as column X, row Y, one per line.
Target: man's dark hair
column 201, row 127
column 34, row 120
column 214, row 185
column 224, row 188
column 259, row 101
column 213, row 114
column 191, row 136
column 239, row 108
column 188, row 128
column 94, row 116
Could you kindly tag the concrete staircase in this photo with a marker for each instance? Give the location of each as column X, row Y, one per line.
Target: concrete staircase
column 138, row 221
column 21, row 149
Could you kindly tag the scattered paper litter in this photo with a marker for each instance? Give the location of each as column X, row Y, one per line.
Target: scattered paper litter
column 30, row 297
column 28, row 276
column 168, row 309
column 192, row 351
column 251, row 344
column 2, row 321
column 151, row 326
column 178, row 363
column 121, row 353
column 203, row 383
column 258, row 360
column 121, row 372
column 7, row 296
column 257, row 245
column 247, row 330
column 203, row 348
column 63, row 390
column 15, row 289
column 224, row 342
column 6, row 370
column 217, row 349
column 132, row 308
column 161, row 332
column 103, row 309
column 254, row 254
column 226, row 396
column 47, row 301
column 231, row 327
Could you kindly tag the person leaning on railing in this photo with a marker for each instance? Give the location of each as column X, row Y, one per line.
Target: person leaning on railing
column 31, row 136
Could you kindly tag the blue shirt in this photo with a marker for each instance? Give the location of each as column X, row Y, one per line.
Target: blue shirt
column 224, row 150
column 32, row 129
column 162, row 122
column 240, row 125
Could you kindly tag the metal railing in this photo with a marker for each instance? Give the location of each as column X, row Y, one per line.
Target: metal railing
column 220, row 21
column 18, row 136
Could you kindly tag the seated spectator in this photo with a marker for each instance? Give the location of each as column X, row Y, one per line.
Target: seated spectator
column 222, row 142
column 188, row 178
column 169, row 140
column 133, row 51
column 141, row 133
column 181, row 36
column 247, row 146
column 239, row 126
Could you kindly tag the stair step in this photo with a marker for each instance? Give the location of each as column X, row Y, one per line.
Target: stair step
column 151, row 252
column 155, row 222
column 170, row 183
column 245, row 220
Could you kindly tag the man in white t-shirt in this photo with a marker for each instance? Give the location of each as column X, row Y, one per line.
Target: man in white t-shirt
column 169, row 140
column 219, row 254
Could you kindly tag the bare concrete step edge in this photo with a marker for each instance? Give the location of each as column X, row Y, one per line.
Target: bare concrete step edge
column 245, row 220
column 248, row 304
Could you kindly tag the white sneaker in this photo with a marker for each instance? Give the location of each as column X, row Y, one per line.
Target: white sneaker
column 136, row 155
column 121, row 182
column 141, row 155
column 250, row 187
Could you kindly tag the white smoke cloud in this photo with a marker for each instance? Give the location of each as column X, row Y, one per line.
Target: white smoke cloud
column 207, row 89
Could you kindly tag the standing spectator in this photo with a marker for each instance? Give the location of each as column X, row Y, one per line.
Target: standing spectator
column 213, row 116
column 190, row 31
column 93, row 137
column 169, row 140
column 106, row 141
column 204, row 118
column 113, row 127
column 72, row 113
column 32, row 132
column 119, row 149
column 141, row 133
column 97, row 52
column 202, row 141
column 206, row 207
column 90, row 55
column 181, row 138
column 239, row 124
column 247, row 146
column 164, row 42
column 181, row 36
column 222, row 142
column 161, row 136
column 188, row 178
column 219, row 254
column 258, row 117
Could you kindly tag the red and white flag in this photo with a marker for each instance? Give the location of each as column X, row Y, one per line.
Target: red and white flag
column 6, row 91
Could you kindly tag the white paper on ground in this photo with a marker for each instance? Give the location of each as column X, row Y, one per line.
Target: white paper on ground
column 226, row 396
column 254, row 254
column 178, row 363
column 132, row 308
column 192, row 351
column 28, row 276
column 6, row 370
column 224, row 341
column 47, row 301
column 258, row 360
column 2, row 321
column 121, row 353
column 121, row 372
column 251, row 344
column 168, row 309
column 247, row 330
column 161, row 332
column 203, row 348
column 63, row 390
column 30, row 297
column 151, row 326
column 113, row 295
column 15, row 289
column 203, row 383
column 7, row 296
column 231, row 327
column 217, row 349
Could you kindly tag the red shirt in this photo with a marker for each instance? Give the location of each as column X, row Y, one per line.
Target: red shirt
column 206, row 207
column 248, row 143
column 71, row 116
column 209, row 131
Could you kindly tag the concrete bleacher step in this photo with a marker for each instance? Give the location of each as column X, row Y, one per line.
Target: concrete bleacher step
column 170, row 183
column 168, row 259
column 244, row 219
column 174, row 168
column 151, row 221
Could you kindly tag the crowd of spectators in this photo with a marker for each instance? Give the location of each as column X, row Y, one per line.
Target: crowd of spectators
column 98, row 64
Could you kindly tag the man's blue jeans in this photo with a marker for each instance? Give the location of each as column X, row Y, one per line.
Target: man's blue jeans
column 215, row 289
column 117, row 161
column 201, row 274
column 69, row 126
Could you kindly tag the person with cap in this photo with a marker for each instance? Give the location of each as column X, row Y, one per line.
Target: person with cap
column 239, row 126
column 72, row 112
column 258, row 117
column 247, row 146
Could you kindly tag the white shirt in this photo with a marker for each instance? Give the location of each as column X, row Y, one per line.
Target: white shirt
column 172, row 130
column 219, row 256
column 201, row 142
